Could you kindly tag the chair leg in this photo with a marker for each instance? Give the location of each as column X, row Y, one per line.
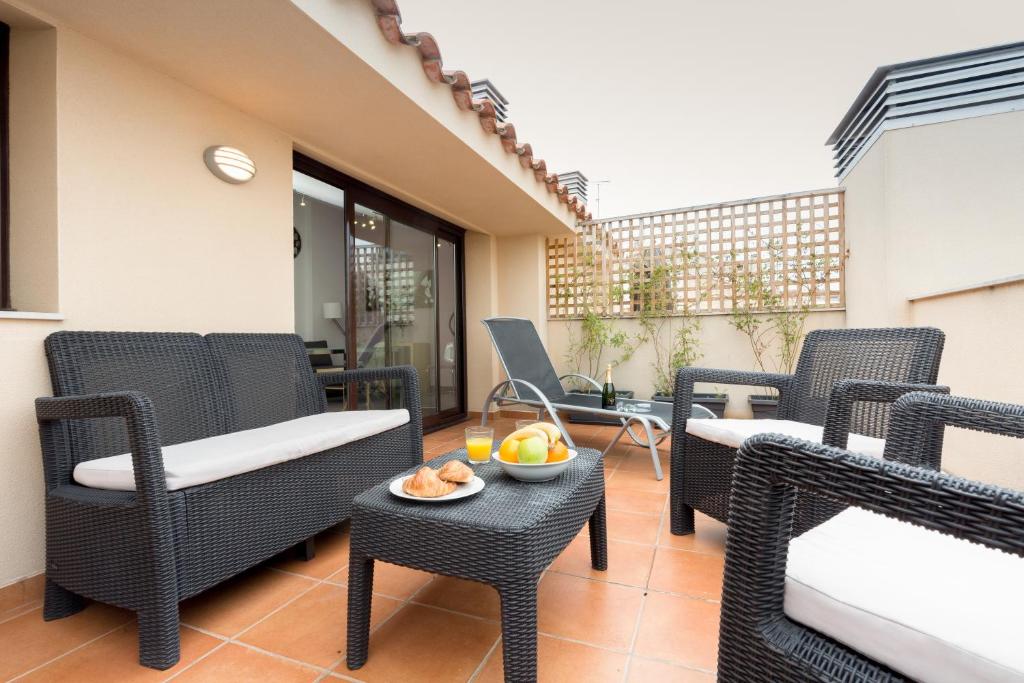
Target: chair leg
column 519, row 630
column 360, row 594
column 682, row 518
column 653, row 445
column 306, row 550
column 159, row 640
column 59, row 602
column 599, row 538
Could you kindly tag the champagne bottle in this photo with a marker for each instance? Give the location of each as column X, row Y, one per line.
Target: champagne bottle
column 608, row 390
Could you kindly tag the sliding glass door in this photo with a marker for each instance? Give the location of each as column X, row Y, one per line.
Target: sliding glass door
column 400, row 301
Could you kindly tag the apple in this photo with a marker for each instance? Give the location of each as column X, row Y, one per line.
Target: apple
column 533, row 451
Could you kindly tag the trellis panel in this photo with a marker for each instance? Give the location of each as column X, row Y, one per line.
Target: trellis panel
column 792, row 244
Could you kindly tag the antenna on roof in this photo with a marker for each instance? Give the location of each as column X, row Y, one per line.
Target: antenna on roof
column 597, row 196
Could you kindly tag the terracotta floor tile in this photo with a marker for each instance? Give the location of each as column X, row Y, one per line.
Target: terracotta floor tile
column 425, row 644
column 709, row 537
column 312, row 629
column 637, row 481
column 594, row 612
column 331, row 556
column 628, row 563
column 115, row 657
column 236, row 664
column 679, row 629
column 642, row 502
column 561, row 661
column 15, row 598
column 639, row 460
column 468, row 597
column 682, row 571
column 647, row 670
column 235, row 605
column 391, row 580
column 28, row 641
column 631, row 526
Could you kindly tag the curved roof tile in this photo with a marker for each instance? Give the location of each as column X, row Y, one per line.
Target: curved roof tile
column 389, row 19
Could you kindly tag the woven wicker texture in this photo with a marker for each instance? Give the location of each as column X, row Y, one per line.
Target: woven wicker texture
column 757, row 641
column 504, row 536
column 879, row 366
column 147, row 550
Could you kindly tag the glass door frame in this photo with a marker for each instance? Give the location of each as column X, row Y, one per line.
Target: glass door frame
column 358, row 192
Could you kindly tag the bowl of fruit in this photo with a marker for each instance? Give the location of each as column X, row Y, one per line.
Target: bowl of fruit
column 534, row 453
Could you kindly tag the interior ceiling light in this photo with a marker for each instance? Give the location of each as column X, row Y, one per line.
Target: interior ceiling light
column 229, row 164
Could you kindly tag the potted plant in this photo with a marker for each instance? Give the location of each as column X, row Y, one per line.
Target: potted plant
column 596, row 336
column 773, row 328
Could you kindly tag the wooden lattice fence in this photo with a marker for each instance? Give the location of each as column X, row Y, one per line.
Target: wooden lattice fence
column 785, row 251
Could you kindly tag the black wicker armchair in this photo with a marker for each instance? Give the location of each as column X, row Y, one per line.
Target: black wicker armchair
column 148, row 548
column 965, row 597
column 845, row 381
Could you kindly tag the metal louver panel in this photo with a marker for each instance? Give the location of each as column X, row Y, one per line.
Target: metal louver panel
column 958, row 86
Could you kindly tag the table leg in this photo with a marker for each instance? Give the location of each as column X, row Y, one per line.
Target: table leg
column 599, row 537
column 519, row 631
column 360, row 591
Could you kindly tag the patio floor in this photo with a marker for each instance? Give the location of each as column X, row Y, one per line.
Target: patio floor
column 652, row 616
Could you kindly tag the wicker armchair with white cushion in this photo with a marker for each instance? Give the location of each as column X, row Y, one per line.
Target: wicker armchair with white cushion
column 919, row 579
column 840, row 394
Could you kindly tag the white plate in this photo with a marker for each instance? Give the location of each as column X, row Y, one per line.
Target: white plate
column 476, row 485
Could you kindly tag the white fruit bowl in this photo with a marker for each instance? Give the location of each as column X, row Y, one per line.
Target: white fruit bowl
column 544, row 471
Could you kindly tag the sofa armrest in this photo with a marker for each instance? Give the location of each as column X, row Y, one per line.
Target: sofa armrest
column 687, row 377
column 143, row 435
column 848, row 392
column 770, row 469
column 410, row 382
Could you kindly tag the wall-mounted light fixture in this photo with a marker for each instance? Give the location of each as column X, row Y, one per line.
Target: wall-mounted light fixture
column 229, row 164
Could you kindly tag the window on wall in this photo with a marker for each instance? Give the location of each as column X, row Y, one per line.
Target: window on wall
column 5, row 169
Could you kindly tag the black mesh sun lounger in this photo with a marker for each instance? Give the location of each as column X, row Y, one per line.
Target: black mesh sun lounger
column 532, row 381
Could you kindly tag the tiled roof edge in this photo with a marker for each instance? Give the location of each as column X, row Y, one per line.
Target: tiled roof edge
column 389, row 19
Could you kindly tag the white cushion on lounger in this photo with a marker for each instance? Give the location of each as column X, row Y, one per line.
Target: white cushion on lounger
column 732, row 432
column 217, row 457
column 930, row 606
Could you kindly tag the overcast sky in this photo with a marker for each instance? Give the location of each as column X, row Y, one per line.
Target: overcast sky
column 682, row 102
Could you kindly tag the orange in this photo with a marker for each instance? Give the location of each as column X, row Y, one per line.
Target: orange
column 509, row 451
column 558, row 452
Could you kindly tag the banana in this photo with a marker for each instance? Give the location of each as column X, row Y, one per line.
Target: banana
column 551, row 430
column 527, row 432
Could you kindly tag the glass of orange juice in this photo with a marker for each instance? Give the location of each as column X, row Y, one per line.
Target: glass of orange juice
column 479, row 441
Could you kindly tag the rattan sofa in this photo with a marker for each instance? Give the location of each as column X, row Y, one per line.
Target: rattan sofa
column 148, row 548
column 875, row 594
column 844, row 384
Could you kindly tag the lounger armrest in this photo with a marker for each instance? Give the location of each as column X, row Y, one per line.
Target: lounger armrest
column 687, row 377
column 846, row 393
column 411, row 384
column 770, row 468
column 143, row 434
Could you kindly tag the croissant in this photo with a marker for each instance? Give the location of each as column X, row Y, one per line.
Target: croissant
column 457, row 471
column 426, row 484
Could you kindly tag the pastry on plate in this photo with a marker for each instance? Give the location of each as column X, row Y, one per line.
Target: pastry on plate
column 457, row 471
column 426, row 484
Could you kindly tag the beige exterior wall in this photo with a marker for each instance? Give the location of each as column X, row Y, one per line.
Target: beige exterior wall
column 934, row 208
column 722, row 346
column 149, row 240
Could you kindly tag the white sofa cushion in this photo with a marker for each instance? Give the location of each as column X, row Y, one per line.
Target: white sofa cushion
column 930, row 606
column 217, row 457
column 732, row 432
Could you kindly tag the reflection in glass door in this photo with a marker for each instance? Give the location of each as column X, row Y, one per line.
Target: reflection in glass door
column 406, row 308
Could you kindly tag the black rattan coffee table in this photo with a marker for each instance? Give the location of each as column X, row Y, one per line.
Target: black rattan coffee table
column 504, row 536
